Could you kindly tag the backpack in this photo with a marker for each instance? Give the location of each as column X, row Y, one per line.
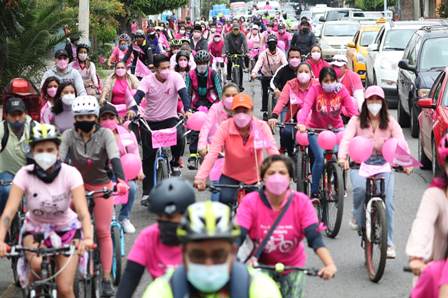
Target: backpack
column 5, row 137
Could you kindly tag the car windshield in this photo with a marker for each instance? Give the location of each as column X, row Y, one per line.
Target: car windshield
column 434, row 55
column 367, row 38
column 336, row 15
column 341, row 30
column 396, row 40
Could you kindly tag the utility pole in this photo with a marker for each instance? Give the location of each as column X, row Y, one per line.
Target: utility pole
column 83, row 19
column 385, row 7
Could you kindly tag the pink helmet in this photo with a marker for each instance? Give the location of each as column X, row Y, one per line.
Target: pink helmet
column 442, row 151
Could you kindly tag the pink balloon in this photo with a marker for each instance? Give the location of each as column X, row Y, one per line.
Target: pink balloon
column 360, row 149
column 196, row 121
column 389, row 148
column 302, row 138
column 132, row 165
column 339, row 136
column 327, row 140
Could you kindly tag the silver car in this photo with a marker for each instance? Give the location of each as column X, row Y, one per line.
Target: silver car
column 335, row 36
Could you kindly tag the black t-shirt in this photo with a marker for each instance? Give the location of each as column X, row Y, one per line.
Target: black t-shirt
column 283, row 75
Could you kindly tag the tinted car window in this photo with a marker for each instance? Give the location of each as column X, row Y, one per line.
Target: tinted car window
column 336, row 15
column 434, row 54
column 340, row 30
column 396, row 40
column 367, row 38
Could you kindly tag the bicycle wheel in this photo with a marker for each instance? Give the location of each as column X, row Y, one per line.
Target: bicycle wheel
column 13, row 239
column 162, row 170
column 116, row 258
column 301, row 172
column 376, row 249
column 236, row 75
column 333, row 199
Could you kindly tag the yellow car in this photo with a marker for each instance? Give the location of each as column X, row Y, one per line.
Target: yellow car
column 357, row 49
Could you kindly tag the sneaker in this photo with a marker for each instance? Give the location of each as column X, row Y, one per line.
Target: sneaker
column 175, row 171
column 128, row 227
column 315, row 199
column 391, row 253
column 265, row 116
column 353, row 225
column 107, row 290
column 145, row 201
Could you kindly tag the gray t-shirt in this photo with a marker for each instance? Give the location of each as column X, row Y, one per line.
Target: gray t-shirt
column 91, row 158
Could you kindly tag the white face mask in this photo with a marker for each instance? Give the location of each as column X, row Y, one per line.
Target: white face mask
column 374, row 108
column 82, row 56
column 68, row 99
column 45, row 160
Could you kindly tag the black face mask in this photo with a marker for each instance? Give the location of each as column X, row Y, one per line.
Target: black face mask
column 85, row 126
column 168, row 234
column 45, row 176
column 305, row 30
column 272, row 47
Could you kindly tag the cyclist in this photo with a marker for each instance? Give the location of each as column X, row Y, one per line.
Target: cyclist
column 427, row 240
column 204, row 86
column 254, row 43
column 283, row 36
column 269, row 30
column 182, row 32
column 90, row 148
column 316, row 61
column 47, row 99
column 304, row 39
column 119, row 86
column 161, row 91
column 322, row 110
column 197, row 41
column 182, row 65
column 139, row 50
column 50, row 188
column 62, row 108
column 286, row 72
column 64, row 72
column 375, row 123
column 153, row 41
column 157, row 247
column 349, row 79
column 216, row 46
column 124, row 41
column 258, row 211
column 209, row 268
column 292, row 95
column 87, row 69
column 235, row 44
column 238, row 137
column 268, row 62
column 14, row 150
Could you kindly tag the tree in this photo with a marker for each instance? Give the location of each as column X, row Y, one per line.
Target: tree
column 373, row 4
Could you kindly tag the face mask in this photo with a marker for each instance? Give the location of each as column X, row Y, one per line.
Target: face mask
column 168, row 234
column 16, row 125
column 197, row 35
column 294, row 62
column 208, row 279
column 217, row 39
column 109, row 123
column 254, row 32
column 374, row 108
column 52, row 91
column 306, row 30
column 277, row 184
column 202, row 69
column 120, row 72
column 164, row 74
column 304, row 77
column 182, row 32
column 123, row 47
column 227, row 102
column 183, row 63
column 213, row 30
column 281, row 31
column 272, row 47
column 62, row 64
column 85, row 126
column 45, row 160
column 338, row 72
column 315, row 55
column 329, row 87
column 82, row 57
column 242, row 120
column 68, row 99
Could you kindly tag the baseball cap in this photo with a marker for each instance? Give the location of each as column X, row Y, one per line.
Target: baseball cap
column 235, row 26
column 108, row 109
column 305, row 23
column 15, row 104
column 272, row 38
column 60, row 53
column 339, row 60
column 242, row 100
column 374, row 90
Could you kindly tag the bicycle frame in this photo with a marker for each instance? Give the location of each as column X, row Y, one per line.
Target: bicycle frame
column 373, row 195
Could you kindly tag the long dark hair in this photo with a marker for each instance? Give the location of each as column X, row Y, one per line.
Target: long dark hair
column 43, row 90
column 57, row 107
column 327, row 71
column 384, row 115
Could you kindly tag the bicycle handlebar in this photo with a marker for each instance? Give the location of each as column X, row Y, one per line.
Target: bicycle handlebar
column 282, row 125
column 279, row 268
column 407, row 269
column 18, row 250
column 217, row 187
column 104, row 193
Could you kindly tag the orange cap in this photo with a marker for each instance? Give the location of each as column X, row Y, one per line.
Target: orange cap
column 242, row 100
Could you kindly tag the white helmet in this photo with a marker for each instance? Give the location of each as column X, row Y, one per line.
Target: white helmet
column 85, row 105
column 255, row 26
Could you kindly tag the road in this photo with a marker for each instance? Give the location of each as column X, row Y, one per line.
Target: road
column 351, row 280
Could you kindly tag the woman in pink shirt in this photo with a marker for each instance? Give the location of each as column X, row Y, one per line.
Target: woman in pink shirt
column 377, row 124
column 242, row 139
column 322, row 109
column 119, row 86
column 316, row 61
column 259, row 210
column 47, row 98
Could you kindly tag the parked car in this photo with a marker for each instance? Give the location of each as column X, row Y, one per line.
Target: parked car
column 337, row 14
column 335, row 36
column 425, row 56
column 433, row 121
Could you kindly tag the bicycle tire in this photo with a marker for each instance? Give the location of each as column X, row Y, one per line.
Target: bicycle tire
column 333, row 193
column 300, row 168
column 116, row 257
column 162, row 170
column 378, row 222
column 13, row 239
column 236, row 75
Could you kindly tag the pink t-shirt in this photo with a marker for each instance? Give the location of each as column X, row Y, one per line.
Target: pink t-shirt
column 49, row 203
column 157, row 257
column 119, row 91
column 432, row 278
column 352, row 82
column 161, row 96
column 46, row 115
column 285, row 245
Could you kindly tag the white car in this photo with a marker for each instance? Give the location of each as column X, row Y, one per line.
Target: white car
column 335, row 36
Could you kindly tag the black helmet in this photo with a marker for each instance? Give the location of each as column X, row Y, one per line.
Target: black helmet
column 182, row 53
column 82, row 46
column 201, row 57
column 172, row 195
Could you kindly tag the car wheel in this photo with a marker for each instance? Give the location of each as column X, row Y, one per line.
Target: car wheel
column 426, row 162
column 414, row 121
column 434, row 163
column 403, row 118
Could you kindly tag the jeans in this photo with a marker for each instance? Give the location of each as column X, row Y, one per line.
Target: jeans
column 318, row 164
column 227, row 195
column 287, row 138
column 265, row 81
column 4, row 189
column 126, row 209
column 215, row 195
column 359, row 194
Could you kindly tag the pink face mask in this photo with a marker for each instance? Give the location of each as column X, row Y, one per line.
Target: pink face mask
column 303, row 77
column 183, row 63
column 294, row 62
column 277, row 184
column 120, row 72
column 227, row 102
column 164, row 74
column 109, row 123
column 52, row 91
column 62, row 63
column 242, row 120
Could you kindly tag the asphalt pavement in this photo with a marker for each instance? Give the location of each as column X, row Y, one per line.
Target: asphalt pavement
column 351, row 280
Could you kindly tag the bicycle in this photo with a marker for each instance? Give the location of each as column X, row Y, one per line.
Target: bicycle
column 242, row 190
column 118, row 247
column 272, row 100
column 236, row 60
column 219, row 67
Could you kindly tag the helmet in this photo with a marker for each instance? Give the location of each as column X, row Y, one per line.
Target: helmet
column 207, row 220
column 272, row 38
column 176, row 43
column 172, row 195
column 182, row 53
column 124, row 37
column 82, row 46
column 442, row 151
column 139, row 33
column 44, row 132
column 85, row 105
column 255, row 27
column 202, row 56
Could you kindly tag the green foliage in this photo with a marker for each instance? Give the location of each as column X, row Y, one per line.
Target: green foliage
column 145, row 7
column 373, row 4
column 442, row 9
